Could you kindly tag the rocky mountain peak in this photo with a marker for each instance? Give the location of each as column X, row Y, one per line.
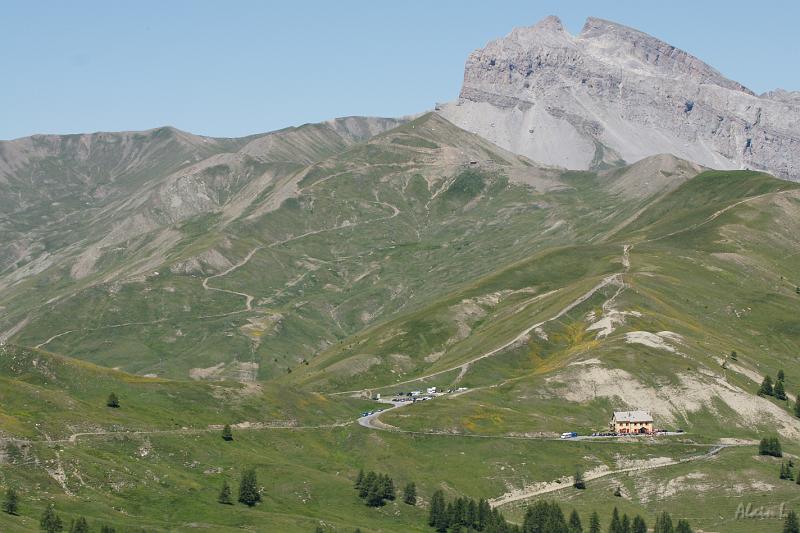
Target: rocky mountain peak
column 612, row 94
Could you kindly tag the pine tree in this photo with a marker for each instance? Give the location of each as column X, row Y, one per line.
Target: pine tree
column 225, row 494
column 359, row 479
column 484, row 514
column 437, row 510
column 227, row 433
column 625, row 526
column 366, row 484
column 594, row 523
column 683, row 527
column 410, row 494
column 107, row 529
column 779, row 391
column 639, row 525
column 578, row 481
column 766, row 387
column 50, row 522
column 472, row 514
column 375, row 494
column 248, row 488
column 616, row 525
column 112, row 401
column 781, row 375
column 79, row 526
column 11, row 502
column 663, row 524
column 575, row 522
column 387, row 489
column 734, row 356
column 791, row 524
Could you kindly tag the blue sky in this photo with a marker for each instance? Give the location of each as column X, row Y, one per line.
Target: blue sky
column 238, row 67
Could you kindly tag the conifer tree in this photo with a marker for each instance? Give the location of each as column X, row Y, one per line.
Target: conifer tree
column 79, row 526
column 594, row 523
column 387, row 491
column 410, row 494
column 112, row 401
column 11, row 502
column 472, row 514
column 616, row 524
column 664, row 524
column 683, row 527
column 734, row 355
column 770, row 446
column 781, row 376
column 107, row 529
column 575, row 522
column 625, row 525
column 578, row 481
column 779, row 391
column 791, row 524
column 225, row 494
column 766, row 387
column 375, row 494
column 437, row 510
column 367, row 483
column 639, row 525
column 484, row 514
column 227, row 433
column 359, row 479
column 50, row 522
column 248, row 488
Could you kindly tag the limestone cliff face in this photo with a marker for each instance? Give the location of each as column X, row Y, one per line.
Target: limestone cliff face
column 613, row 93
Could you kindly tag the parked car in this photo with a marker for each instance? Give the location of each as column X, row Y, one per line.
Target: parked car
column 569, row 435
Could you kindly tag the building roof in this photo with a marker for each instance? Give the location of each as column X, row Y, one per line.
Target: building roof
column 632, row 416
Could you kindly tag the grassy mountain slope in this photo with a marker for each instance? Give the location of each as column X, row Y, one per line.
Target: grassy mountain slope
column 379, row 261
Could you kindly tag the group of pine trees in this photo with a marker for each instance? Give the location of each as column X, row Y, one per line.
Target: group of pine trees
column 375, row 489
column 770, row 446
column 50, row 521
column 786, row 471
column 249, row 493
column 547, row 517
column 777, row 389
column 465, row 514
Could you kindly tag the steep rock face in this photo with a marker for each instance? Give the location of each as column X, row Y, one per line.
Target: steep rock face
column 613, row 93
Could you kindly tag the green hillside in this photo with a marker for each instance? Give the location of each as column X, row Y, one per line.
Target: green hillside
column 277, row 283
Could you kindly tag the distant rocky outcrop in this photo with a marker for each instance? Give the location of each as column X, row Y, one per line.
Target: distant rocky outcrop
column 613, row 93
